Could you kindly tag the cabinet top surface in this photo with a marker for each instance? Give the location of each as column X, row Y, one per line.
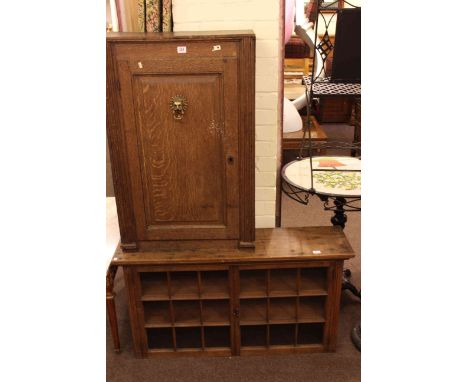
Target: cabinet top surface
column 165, row 36
column 272, row 244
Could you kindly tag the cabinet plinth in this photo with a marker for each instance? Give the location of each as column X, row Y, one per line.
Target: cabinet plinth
column 282, row 296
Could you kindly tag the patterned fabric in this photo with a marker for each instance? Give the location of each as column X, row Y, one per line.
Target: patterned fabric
column 158, row 15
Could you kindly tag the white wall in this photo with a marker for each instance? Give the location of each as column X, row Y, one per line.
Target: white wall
column 262, row 16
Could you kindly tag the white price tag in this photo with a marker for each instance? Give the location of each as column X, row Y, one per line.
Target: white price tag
column 181, row 49
column 216, row 47
column 317, row 252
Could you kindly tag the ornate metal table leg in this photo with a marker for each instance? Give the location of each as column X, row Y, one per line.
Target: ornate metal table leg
column 110, row 303
column 340, row 217
column 347, row 285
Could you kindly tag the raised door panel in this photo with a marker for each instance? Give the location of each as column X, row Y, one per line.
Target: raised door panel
column 184, row 172
column 171, row 150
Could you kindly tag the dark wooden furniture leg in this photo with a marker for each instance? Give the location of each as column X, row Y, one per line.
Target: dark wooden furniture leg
column 110, row 303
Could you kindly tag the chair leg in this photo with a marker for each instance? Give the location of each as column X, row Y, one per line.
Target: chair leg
column 110, row 304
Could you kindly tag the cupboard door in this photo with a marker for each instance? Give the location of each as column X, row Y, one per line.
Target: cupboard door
column 183, row 172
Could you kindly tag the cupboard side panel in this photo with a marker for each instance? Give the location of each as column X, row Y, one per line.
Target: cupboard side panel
column 118, row 155
column 333, row 305
column 247, row 141
column 135, row 308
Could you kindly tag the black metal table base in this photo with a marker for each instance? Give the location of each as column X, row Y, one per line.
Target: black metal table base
column 348, row 285
column 339, row 219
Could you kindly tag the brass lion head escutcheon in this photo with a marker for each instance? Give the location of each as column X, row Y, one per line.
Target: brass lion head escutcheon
column 178, row 105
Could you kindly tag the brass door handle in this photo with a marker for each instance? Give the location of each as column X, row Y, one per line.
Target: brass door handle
column 178, row 105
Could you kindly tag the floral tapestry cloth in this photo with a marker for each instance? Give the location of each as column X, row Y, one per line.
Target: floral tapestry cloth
column 158, row 15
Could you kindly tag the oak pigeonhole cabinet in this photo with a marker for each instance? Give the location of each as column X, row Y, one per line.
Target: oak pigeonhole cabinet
column 180, row 127
column 282, row 296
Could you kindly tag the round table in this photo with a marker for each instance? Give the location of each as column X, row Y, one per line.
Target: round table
column 335, row 179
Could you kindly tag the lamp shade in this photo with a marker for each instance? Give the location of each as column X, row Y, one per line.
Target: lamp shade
column 292, row 121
